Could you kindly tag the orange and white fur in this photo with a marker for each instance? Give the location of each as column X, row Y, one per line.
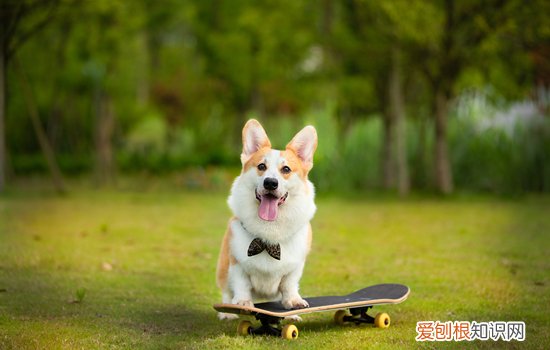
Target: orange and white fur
column 272, row 200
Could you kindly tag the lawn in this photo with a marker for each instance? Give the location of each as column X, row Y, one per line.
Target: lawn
column 136, row 270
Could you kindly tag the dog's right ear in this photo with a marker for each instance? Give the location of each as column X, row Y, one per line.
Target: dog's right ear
column 254, row 138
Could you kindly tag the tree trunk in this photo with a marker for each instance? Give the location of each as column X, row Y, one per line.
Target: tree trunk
column 421, row 162
column 43, row 141
column 3, row 162
column 443, row 175
column 388, row 160
column 105, row 122
column 143, row 86
column 326, row 38
column 397, row 109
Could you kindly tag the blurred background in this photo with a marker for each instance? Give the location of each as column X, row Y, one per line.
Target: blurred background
column 434, row 96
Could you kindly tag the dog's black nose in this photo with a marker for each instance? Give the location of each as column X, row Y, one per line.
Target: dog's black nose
column 271, row 183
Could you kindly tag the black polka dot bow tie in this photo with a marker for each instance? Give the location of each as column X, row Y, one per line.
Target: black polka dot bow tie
column 257, row 246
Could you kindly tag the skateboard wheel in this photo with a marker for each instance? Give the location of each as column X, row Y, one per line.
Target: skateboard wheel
column 289, row 331
column 244, row 328
column 339, row 317
column 382, row 320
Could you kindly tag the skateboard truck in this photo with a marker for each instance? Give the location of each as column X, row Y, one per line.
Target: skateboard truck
column 270, row 326
column 359, row 315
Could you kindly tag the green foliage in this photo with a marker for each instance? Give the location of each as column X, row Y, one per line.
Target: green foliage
column 184, row 76
column 79, row 295
column 501, row 151
column 326, row 162
column 360, row 158
column 147, row 136
column 345, row 160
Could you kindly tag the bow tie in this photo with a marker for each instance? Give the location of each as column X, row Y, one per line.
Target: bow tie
column 257, row 246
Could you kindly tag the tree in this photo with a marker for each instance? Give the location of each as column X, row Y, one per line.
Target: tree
column 386, row 30
column 108, row 30
column 43, row 141
column 397, row 111
column 19, row 21
column 463, row 26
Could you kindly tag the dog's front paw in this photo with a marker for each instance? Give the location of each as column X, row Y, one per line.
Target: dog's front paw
column 293, row 318
column 243, row 302
column 295, row 303
column 223, row 316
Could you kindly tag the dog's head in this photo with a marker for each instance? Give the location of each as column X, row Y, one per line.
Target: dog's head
column 275, row 177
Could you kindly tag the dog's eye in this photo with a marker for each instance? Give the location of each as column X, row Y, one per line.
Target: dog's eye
column 286, row 170
column 262, row 167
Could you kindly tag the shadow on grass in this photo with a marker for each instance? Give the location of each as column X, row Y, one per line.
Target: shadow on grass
column 169, row 320
column 31, row 296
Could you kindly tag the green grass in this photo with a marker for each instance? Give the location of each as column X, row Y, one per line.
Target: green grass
column 129, row 270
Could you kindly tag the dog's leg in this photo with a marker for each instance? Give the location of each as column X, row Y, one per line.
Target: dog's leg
column 291, row 299
column 226, row 299
column 241, row 286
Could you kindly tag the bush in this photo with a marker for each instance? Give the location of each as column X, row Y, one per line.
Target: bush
column 501, row 150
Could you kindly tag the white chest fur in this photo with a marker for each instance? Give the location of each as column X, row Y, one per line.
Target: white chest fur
column 265, row 272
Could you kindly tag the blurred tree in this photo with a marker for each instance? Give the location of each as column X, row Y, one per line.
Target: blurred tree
column 241, row 52
column 384, row 30
column 397, row 114
column 463, row 27
column 20, row 20
column 107, row 34
column 195, row 69
column 157, row 20
column 43, row 141
column 401, row 24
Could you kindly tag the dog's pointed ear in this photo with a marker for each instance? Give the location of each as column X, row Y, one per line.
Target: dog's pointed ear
column 254, row 138
column 304, row 145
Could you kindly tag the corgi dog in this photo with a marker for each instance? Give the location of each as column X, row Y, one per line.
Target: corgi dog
column 265, row 245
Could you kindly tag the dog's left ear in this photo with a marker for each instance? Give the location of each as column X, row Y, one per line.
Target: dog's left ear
column 304, row 145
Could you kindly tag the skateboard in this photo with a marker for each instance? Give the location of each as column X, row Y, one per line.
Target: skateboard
column 358, row 303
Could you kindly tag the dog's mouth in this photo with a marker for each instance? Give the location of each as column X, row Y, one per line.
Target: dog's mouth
column 269, row 205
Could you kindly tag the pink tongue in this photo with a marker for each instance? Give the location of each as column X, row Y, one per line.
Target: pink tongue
column 268, row 208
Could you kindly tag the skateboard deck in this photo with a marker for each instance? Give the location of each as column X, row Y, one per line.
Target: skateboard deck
column 357, row 302
column 373, row 295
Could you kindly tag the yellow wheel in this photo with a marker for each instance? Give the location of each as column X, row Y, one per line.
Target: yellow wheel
column 339, row 317
column 382, row 320
column 244, row 327
column 289, row 332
